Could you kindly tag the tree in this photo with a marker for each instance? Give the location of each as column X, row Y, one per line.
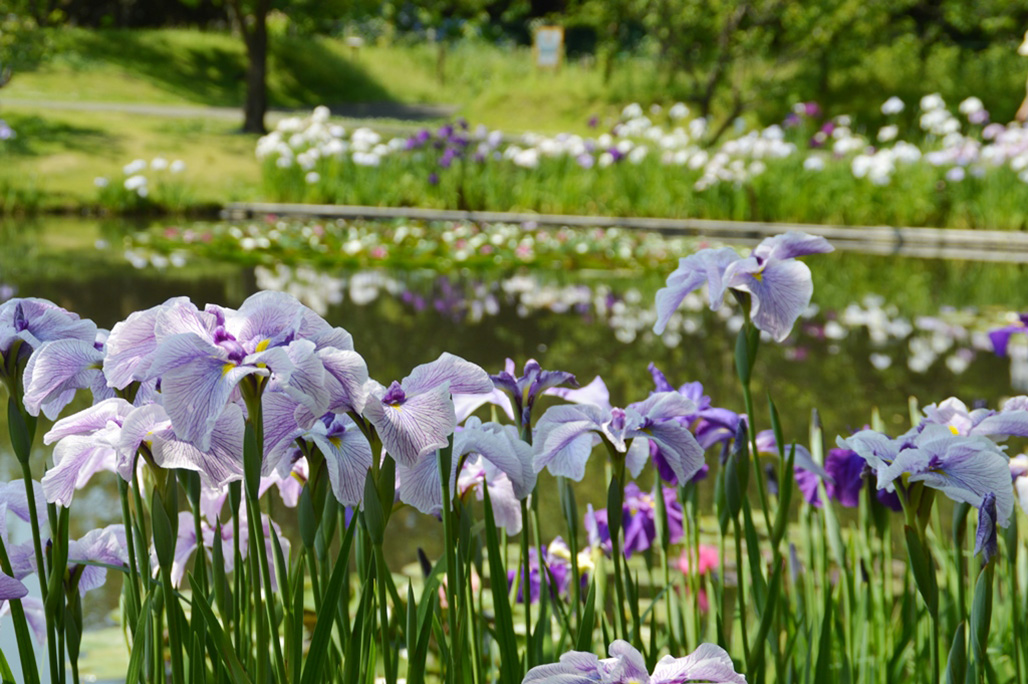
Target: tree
column 22, row 44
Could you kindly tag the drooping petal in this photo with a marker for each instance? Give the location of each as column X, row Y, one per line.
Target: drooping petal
column 348, row 457
column 55, row 371
column 346, row 372
column 297, row 371
column 466, row 404
column 780, row 291
column 463, row 376
column 281, row 427
column 218, row 465
column 35, row 321
column 791, row 245
column 679, row 448
column 494, row 444
column 708, row 663
column 11, row 588
column 706, row 266
column 564, row 439
column 417, row 426
column 105, row 545
column 575, row 667
column 595, row 393
column 985, row 541
column 421, row 485
column 875, row 448
column 76, row 459
column 132, row 342
column 96, row 417
column 626, row 664
column 662, row 406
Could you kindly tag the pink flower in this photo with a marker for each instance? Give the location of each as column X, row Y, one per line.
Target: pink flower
column 708, row 559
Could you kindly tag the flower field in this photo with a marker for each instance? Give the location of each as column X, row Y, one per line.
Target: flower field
column 931, row 167
column 722, row 551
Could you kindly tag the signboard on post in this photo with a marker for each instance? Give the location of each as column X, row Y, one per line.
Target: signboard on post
column 548, row 47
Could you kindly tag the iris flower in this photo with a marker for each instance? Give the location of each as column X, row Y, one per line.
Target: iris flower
column 565, row 436
column 638, row 520
column 964, row 467
column 525, row 389
column 708, row 663
column 416, row 416
column 780, row 287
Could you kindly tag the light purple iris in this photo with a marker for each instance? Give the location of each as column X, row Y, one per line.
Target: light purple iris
column 11, row 588
column 964, row 467
column 1010, row 421
column 525, row 389
column 638, row 521
column 200, row 357
column 565, row 436
column 708, row 663
column 780, row 286
column 106, row 546
column 416, row 416
column 846, row 469
column 985, row 541
column 346, row 450
column 496, row 455
column 58, row 368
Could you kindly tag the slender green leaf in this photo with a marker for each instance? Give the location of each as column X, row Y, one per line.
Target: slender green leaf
column 956, row 664
column 510, row 665
column 228, row 654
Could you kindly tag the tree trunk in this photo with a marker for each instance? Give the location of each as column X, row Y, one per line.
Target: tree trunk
column 255, row 34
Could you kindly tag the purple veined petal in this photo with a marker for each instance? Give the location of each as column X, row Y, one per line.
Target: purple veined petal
column 463, row 376
column 267, row 315
column 466, row 404
column 985, row 541
column 659, row 380
column 11, row 588
column 575, row 667
column 706, row 266
column 708, row 663
column 218, row 465
column 505, row 502
column 36, row 321
column 346, row 373
column 185, row 545
column 183, row 349
column 662, row 406
column 492, row 443
column 139, row 426
column 626, row 664
column 780, row 291
column 875, row 448
column 348, row 458
column 281, row 427
column 195, row 395
column 420, row 486
column 96, row 417
column 564, row 439
column 419, row 425
column 55, row 371
column 766, row 444
column 1006, row 423
column 595, row 393
column 679, row 447
column 180, row 317
column 107, row 546
column 76, row 459
column 791, row 245
column 963, row 468
column 717, row 425
column 290, row 485
column 297, row 371
column 548, row 379
column 132, row 342
column 951, row 411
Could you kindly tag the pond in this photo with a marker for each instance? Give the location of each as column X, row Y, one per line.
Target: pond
column 883, row 330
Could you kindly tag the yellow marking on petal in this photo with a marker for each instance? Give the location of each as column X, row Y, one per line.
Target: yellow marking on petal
column 262, row 345
column 758, row 276
column 335, row 441
column 954, row 430
column 226, row 368
column 398, row 407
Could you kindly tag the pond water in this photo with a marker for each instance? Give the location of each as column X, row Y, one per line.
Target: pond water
column 885, row 329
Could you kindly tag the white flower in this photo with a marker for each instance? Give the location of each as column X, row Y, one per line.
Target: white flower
column 632, row 111
column 971, row 105
column 893, row 105
column 678, row 111
column 312, row 177
column 956, row 174
column 932, row 102
column 134, row 167
column 887, row 133
column 177, row 166
column 159, row 164
column 135, row 182
column 100, row 182
column 814, row 163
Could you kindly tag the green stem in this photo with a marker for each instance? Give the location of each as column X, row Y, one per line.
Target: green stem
column 740, row 592
column 26, row 651
column 526, row 584
column 451, row 569
column 570, row 515
column 380, row 579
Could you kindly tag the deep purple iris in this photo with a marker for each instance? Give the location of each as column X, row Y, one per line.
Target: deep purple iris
column 638, row 520
column 524, row 389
